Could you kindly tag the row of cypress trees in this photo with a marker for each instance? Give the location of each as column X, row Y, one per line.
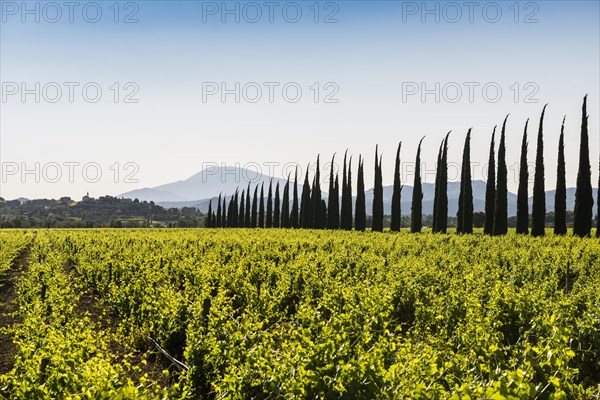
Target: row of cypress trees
column 337, row 213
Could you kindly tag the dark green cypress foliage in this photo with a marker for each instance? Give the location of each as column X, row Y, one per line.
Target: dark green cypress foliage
column 396, row 195
column 305, row 215
column 560, row 195
column 538, row 207
column 522, row 195
column 377, row 196
column 323, row 219
column 336, row 204
column 598, row 206
column 490, row 190
column 360, row 221
column 436, row 196
column 242, row 213
column 416, row 210
column 209, row 215
column 316, row 198
column 349, row 221
column 218, row 222
column 584, row 201
column 270, row 205
column 294, row 217
column 230, row 212
column 254, row 219
column 344, row 208
column 235, row 218
column 331, row 217
column 214, row 220
column 276, row 209
column 442, row 214
column 223, row 213
column 261, row 207
column 247, row 219
column 465, row 199
column 501, row 204
column 285, row 205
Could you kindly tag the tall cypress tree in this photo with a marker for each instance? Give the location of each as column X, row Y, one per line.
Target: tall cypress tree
column 305, row 215
column 276, row 209
column 538, row 207
column 443, row 199
column 344, row 208
column 254, row 219
column 294, row 217
column 261, row 207
column 323, row 219
column 584, row 200
column 436, row 195
column 214, row 220
column 396, row 195
column 490, row 189
column 316, row 198
column 416, row 211
column 560, row 195
column 247, row 219
column 230, row 213
column 360, row 219
column 522, row 195
column 242, row 213
column 219, row 212
column 223, row 213
column 377, row 196
column 285, row 205
column 464, row 215
column 349, row 221
column 270, row 205
column 501, row 204
column 209, row 215
column 336, row 204
column 332, row 198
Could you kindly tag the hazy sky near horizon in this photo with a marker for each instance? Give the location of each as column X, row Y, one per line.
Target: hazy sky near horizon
column 150, row 92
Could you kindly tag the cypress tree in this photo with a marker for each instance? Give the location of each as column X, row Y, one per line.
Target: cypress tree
column 223, row 213
column 349, row 196
column 360, row 221
column 305, row 216
column 270, row 205
column 584, row 200
column 229, row 223
column 377, row 197
column 344, row 208
column 214, row 220
column 285, row 205
column 254, row 219
column 501, row 204
column 560, row 195
column 316, row 198
column 443, row 199
column 276, row 210
column 331, row 217
column 436, row 195
column 538, row 207
column 242, row 213
column 209, row 215
column 522, row 195
column 416, row 210
column 247, row 220
column 294, row 218
column 490, row 190
column 396, row 195
column 219, row 212
column 336, row 204
column 261, row 207
column 464, row 215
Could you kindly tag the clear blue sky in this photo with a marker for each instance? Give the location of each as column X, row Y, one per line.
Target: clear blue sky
column 374, row 58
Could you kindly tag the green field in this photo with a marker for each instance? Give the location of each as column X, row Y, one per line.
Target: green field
column 301, row 314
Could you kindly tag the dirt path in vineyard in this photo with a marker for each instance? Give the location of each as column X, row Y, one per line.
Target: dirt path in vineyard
column 8, row 306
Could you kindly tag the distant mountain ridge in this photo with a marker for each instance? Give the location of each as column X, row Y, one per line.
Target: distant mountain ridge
column 198, row 190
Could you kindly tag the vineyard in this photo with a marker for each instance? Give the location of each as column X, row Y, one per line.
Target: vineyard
column 240, row 313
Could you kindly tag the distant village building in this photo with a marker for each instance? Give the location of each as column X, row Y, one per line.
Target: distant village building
column 86, row 198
